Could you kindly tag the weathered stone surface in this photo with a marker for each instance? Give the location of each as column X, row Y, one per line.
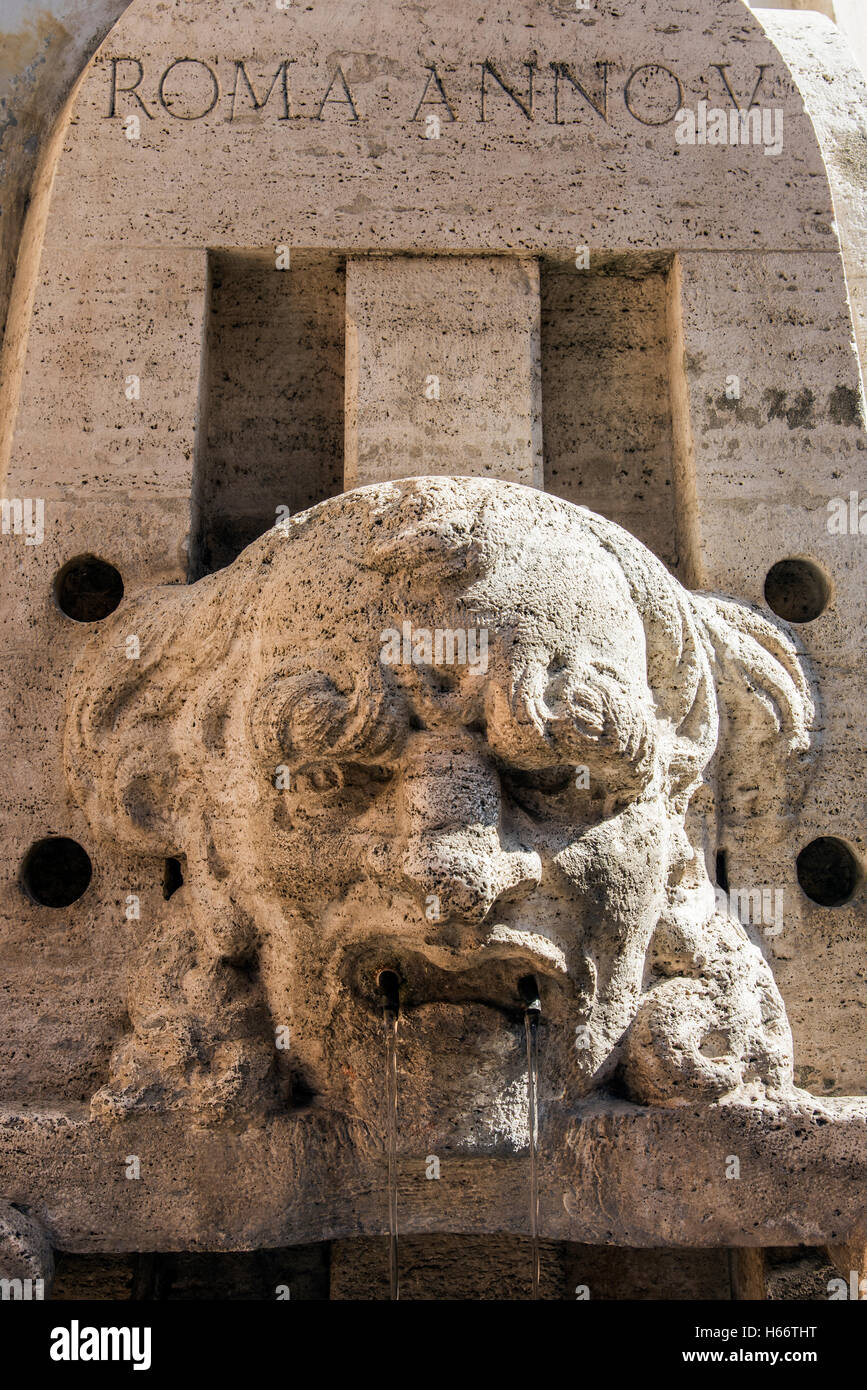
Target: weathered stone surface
column 441, row 1268
column 289, row 808
column 802, row 1274
column 847, row 15
column 850, row 1260
column 482, row 740
column 443, row 368
column 834, row 89
column 271, row 423
column 25, row 1253
column 611, row 1173
column 608, row 431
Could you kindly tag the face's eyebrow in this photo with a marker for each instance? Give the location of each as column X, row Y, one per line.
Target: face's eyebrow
column 516, row 732
column 303, row 716
column 574, row 717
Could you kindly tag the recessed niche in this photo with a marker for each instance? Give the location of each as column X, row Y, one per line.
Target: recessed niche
column 606, row 398
column 270, row 431
column 56, row 872
column 828, row 871
column 87, row 589
column 797, row 590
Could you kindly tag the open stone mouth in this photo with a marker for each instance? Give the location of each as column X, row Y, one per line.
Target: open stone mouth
column 492, row 972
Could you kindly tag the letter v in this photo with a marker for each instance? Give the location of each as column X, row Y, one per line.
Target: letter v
column 722, row 69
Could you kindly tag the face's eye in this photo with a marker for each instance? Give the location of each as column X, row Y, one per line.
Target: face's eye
column 328, row 778
column 377, row 773
column 551, row 793
column 341, row 789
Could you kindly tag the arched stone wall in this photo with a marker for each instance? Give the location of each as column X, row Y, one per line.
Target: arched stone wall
column 707, row 340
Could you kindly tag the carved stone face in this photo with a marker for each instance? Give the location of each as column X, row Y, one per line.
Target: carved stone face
column 467, row 824
column 450, row 729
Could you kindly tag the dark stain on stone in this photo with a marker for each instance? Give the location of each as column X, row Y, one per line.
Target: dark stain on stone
column 845, row 407
column 799, row 415
column 744, row 414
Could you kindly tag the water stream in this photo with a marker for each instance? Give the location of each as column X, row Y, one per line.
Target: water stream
column 390, row 1017
column 531, row 1021
column 389, row 984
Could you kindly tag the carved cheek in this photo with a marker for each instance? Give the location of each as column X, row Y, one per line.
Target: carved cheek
column 618, row 869
column 319, row 857
column 315, row 869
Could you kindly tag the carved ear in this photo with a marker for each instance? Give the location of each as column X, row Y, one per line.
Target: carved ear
column 767, row 700
column 120, row 750
column 139, row 789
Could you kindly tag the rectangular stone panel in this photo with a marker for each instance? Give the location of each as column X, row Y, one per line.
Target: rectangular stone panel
column 111, row 407
column 776, row 405
column 443, row 370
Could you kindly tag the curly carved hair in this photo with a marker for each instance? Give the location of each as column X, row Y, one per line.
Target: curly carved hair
column 144, row 736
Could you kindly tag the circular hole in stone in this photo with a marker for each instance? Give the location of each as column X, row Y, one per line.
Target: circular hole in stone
column 88, row 589
column 56, row 872
column 828, row 871
column 797, row 590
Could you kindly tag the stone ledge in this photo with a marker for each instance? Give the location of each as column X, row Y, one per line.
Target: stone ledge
column 316, row 1176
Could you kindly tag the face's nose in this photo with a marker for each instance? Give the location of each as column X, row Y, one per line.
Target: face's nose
column 454, row 856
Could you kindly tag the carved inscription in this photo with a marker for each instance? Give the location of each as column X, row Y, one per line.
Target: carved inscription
column 556, row 93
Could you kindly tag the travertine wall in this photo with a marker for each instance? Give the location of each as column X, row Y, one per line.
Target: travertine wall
column 848, row 15
column 759, row 297
column 43, row 50
column 251, row 215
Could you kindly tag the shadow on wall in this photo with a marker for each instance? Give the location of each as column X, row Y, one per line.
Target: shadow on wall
column 44, row 45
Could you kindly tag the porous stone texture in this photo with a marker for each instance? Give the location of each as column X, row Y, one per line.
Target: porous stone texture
column 25, row 1252
column 798, row 1274
column 437, row 1268
column 95, row 1278
column 271, row 415
column 608, row 433
column 443, row 1268
column 289, row 776
column 493, row 1268
column 610, row 1172
column 348, row 796
column 298, row 1274
column 594, row 1272
column 520, row 808
column 847, row 15
column 835, row 92
column 43, row 50
column 443, row 368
